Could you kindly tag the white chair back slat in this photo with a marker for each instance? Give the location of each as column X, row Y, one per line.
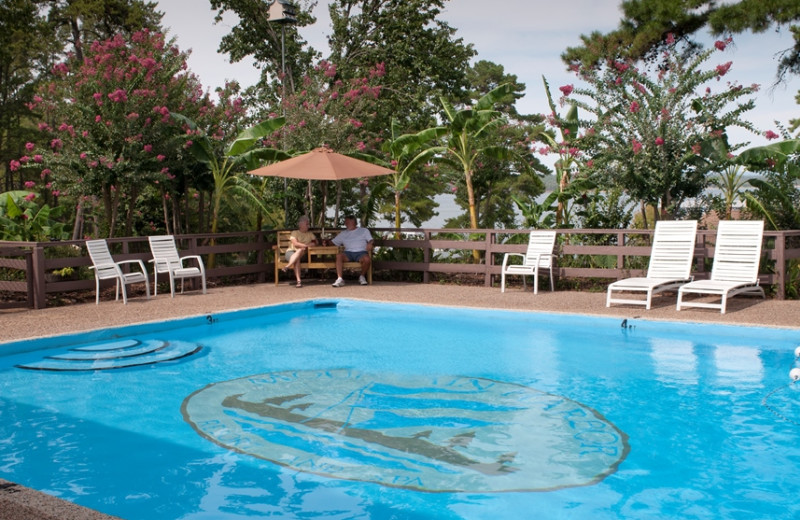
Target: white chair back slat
column 540, row 248
column 673, row 249
column 737, row 253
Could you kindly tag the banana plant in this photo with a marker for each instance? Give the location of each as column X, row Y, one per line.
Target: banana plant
column 406, row 158
column 777, row 196
column 23, row 220
column 241, row 155
column 464, row 134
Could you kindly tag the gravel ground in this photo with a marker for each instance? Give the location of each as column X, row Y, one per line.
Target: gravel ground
column 24, row 324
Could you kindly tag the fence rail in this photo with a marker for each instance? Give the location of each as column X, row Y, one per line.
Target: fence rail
column 36, row 269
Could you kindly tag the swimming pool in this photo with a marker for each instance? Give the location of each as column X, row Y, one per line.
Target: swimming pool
column 347, row 409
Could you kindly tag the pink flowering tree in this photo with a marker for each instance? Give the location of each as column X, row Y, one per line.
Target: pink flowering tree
column 659, row 132
column 328, row 111
column 106, row 135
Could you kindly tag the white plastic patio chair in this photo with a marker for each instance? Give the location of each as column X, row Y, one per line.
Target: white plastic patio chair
column 105, row 268
column 737, row 254
column 670, row 264
column 538, row 256
column 167, row 260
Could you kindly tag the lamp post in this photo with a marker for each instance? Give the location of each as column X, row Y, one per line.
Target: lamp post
column 282, row 12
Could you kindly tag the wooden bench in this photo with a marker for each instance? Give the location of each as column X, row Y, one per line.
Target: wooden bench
column 318, row 257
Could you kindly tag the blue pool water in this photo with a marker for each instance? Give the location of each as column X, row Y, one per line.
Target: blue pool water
column 342, row 409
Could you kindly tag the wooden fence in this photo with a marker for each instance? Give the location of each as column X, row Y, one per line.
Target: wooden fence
column 27, row 269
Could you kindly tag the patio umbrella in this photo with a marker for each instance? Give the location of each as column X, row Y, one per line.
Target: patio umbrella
column 322, row 164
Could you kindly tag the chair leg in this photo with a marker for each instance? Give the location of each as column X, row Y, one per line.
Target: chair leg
column 552, row 287
column 147, row 286
column 536, row 280
column 155, row 283
column 97, row 290
column 124, row 294
column 503, row 282
column 116, row 290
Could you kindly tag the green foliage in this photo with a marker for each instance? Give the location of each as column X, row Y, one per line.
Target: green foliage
column 776, row 196
column 645, row 23
column 26, row 44
column 273, row 46
column 403, row 152
column 243, row 153
column 21, row 219
column 419, row 52
column 465, row 140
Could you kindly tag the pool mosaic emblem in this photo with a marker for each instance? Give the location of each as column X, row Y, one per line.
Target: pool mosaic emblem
column 434, row 434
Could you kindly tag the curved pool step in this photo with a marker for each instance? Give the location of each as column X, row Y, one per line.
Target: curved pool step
column 133, row 353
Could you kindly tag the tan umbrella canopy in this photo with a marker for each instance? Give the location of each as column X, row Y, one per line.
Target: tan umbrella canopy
column 322, row 164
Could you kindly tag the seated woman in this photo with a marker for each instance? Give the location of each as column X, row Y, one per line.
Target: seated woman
column 299, row 242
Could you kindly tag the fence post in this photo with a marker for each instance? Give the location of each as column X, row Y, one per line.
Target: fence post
column 489, row 259
column 39, row 293
column 780, row 264
column 262, row 275
column 426, row 256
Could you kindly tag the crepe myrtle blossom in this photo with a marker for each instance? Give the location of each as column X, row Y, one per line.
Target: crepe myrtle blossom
column 659, row 141
column 29, row 146
column 566, row 89
column 637, row 146
column 30, row 184
column 769, row 134
column 723, row 69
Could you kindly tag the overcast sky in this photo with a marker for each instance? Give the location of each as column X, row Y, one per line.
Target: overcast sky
column 527, row 37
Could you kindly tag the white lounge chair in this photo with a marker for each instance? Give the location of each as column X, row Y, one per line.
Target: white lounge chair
column 105, row 268
column 538, row 256
column 670, row 263
column 735, row 269
column 167, row 260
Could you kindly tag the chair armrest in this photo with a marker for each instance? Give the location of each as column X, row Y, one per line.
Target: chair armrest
column 101, row 266
column 509, row 255
column 141, row 264
column 194, row 257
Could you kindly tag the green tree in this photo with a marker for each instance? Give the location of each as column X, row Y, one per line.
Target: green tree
column 419, row 52
column 496, row 179
column 777, row 192
column 80, row 22
column 646, row 23
column 274, row 46
column 406, row 160
column 242, row 154
column 659, row 137
column 25, row 48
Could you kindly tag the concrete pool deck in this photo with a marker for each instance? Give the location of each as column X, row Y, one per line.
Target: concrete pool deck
column 19, row 503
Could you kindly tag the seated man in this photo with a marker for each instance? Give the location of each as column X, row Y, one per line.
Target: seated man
column 357, row 244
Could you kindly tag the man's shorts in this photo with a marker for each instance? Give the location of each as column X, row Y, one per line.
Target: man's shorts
column 354, row 256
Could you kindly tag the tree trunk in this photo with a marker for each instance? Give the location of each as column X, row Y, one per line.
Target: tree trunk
column 397, row 214
column 473, row 214
column 165, row 210
column 77, row 229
